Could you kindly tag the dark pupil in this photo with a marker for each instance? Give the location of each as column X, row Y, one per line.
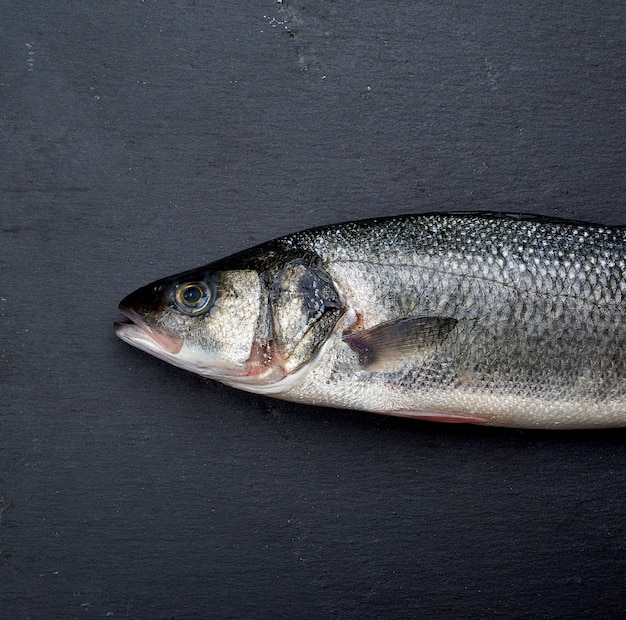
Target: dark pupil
column 192, row 295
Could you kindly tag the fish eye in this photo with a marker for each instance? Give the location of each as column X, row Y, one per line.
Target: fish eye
column 193, row 297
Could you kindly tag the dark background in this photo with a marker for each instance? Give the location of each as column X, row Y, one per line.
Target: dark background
column 142, row 138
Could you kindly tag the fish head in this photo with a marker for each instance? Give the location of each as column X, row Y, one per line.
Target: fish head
column 248, row 325
column 202, row 320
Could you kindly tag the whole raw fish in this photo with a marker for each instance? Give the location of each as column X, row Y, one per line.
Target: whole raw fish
column 484, row 318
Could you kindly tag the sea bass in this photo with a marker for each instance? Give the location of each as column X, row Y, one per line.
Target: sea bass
column 495, row 319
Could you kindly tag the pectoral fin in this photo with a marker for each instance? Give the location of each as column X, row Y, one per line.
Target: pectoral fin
column 390, row 343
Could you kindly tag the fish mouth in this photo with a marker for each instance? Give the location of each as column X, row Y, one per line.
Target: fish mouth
column 139, row 333
column 167, row 346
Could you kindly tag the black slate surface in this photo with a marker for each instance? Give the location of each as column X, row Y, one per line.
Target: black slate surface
column 143, row 138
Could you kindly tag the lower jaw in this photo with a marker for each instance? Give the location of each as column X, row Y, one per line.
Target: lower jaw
column 131, row 332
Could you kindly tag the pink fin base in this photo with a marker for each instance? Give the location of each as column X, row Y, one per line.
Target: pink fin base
column 433, row 416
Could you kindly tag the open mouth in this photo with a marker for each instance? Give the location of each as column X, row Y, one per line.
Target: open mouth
column 141, row 334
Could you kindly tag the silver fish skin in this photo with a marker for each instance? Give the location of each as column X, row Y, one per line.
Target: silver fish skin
column 505, row 320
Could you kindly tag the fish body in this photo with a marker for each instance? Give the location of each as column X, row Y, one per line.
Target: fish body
column 485, row 318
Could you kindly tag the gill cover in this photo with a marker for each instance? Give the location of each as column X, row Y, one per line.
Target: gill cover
column 303, row 307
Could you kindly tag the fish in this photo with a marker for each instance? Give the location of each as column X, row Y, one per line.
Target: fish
column 483, row 318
